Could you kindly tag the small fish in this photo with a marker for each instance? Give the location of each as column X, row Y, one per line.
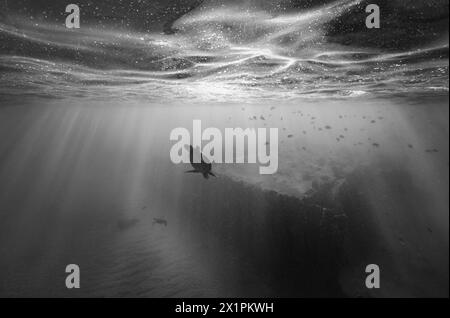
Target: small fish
column 160, row 221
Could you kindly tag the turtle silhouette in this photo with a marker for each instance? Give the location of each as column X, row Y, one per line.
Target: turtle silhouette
column 202, row 167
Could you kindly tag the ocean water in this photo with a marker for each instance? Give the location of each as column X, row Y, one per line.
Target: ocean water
column 85, row 119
